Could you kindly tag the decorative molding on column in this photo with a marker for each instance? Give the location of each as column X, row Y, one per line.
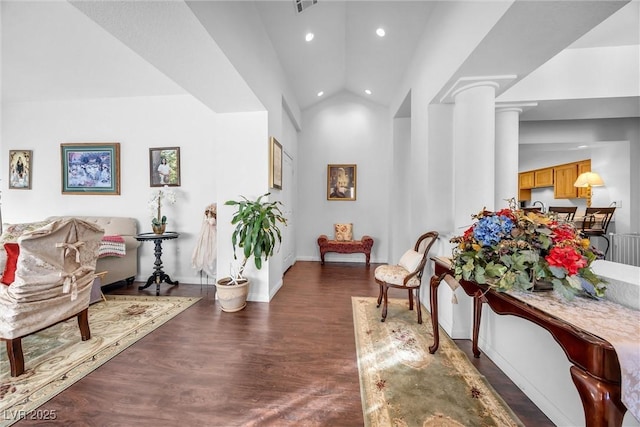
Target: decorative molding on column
column 464, row 83
column 514, row 106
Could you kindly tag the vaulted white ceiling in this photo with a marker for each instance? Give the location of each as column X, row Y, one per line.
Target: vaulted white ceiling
column 51, row 50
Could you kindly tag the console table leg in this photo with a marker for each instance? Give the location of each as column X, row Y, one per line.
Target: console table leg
column 478, row 300
column 601, row 400
column 433, row 303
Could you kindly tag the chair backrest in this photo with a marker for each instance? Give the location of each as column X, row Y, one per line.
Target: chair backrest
column 423, row 246
column 534, row 209
column 567, row 213
column 598, row 218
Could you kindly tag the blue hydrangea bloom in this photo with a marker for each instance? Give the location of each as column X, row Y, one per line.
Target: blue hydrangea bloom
column 491, row 229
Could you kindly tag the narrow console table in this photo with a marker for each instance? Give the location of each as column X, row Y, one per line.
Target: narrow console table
column 158, row 275
column 345, row 247
column 596, row 370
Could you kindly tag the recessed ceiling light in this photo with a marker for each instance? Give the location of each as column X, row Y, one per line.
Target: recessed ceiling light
column 309, row 37
column 380, row 32
column 582, row 146
column 367, row 91
column 320, row 93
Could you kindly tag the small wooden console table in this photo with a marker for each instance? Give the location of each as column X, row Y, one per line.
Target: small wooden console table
column 345, row 247
column 596, row 369
column 158, row 275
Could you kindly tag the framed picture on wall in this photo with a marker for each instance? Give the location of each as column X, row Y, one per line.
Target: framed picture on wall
column 341, row 182
column 20, row 169
column 90, row 168
column 275, row 164
column 164, row 166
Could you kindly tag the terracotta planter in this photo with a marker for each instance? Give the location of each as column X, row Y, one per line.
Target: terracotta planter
column 232, row 297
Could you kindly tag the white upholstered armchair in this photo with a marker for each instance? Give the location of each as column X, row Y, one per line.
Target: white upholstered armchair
column 54, row 273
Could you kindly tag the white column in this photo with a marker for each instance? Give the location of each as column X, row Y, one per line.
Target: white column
column 473, row 151
column 506, row 149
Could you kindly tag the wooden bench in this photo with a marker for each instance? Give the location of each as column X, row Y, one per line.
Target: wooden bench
column 345, row 247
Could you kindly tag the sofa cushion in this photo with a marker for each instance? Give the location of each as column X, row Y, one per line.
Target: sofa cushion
column 12, row 250
column 410, row 260
column 13, row 231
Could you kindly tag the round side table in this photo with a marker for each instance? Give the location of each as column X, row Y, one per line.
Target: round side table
column 158, row 275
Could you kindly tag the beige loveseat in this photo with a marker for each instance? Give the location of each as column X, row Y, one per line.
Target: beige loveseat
column 117, row 267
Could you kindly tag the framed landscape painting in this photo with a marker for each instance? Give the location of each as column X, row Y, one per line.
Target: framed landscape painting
column 164, row 166
column 341, row 182
column 90, row 168
column 20, row 169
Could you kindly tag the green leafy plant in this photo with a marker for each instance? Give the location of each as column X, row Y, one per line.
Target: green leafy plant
column 257, row 232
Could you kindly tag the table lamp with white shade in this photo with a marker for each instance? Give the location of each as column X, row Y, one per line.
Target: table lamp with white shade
column 588, row 180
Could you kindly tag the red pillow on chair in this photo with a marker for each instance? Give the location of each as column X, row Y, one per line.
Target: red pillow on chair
column 9, row 275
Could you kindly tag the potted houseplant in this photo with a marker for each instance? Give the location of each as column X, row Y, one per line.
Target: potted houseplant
column 256, row 235
column 159, row 221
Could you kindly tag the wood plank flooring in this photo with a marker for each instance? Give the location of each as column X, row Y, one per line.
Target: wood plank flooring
column 290, row 362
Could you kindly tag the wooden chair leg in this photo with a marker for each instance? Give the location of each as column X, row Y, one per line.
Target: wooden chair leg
column 83, row 323
column 16, row 358
column 410, row 299
column 418, row 306
column 384, row 305
column 379, row 294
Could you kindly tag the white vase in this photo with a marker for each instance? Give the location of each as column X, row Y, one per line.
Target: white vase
column 232, row 298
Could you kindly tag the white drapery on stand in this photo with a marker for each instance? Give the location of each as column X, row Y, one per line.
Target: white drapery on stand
column 205, row 253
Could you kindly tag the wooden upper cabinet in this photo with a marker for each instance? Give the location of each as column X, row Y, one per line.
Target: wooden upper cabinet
column 565, row 176
column 583, row 166
column 543, row 177
column 526, row 180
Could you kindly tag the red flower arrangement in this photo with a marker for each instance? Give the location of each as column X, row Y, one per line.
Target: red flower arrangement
column 510, row 249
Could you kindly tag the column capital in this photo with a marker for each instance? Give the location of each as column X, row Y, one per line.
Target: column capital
column 464, row 83
column 519, row 107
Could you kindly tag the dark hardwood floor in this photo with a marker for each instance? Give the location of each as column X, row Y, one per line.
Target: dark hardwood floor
column 290, row 362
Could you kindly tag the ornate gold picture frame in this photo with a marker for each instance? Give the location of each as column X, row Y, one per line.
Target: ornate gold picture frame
column 275, row 164
column 341, row 182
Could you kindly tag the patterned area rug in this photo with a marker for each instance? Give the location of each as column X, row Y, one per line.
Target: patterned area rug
column 56, row 357
column 402, row 384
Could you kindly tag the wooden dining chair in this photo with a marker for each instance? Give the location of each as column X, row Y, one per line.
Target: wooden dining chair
column 407, row 274
column 532, row 209
column 596, row 222
column 565, row 213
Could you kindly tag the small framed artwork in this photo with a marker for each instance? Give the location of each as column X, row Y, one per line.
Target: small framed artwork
column 164, row 166
column 20, row 169
column 275, row 164
column 90, row 168
column 341, row 182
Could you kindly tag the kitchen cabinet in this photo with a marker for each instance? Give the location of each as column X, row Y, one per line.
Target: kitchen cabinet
column 583, row 166
column 526, row 181
column 543, row 177
column 565, row 176
column 560, row 177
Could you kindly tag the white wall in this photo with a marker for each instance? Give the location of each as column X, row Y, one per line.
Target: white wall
column 399, row 191
column 241, row 174
column 137, row 124
column 344, row 129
